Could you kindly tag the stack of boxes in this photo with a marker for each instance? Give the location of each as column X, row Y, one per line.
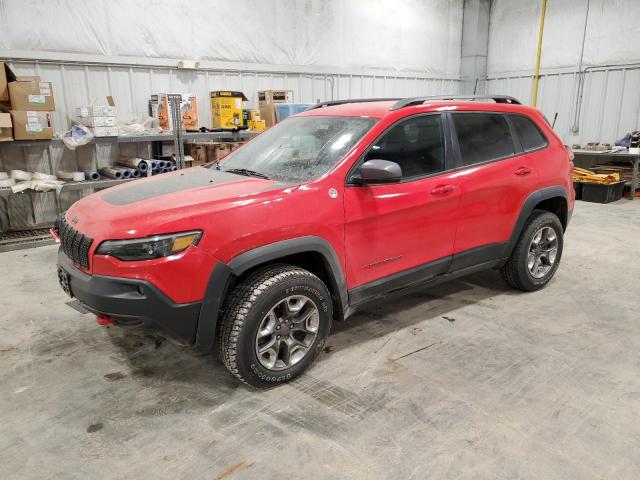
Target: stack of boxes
column 161, row 110
column 100, row 118
column 207, row 152
column 267, row 101
column 30, row 102
column 255, row 122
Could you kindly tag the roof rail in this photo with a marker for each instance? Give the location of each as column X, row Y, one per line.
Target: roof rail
column 330, row 103
column 420, row 100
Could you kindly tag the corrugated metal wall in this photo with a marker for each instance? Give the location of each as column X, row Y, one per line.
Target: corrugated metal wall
column 609, row 108
column 77, row 84
column 81, row 84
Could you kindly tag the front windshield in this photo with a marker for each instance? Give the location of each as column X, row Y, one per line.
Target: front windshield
column 298, row 149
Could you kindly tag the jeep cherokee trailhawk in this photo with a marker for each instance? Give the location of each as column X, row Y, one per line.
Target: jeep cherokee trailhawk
column 342, row 204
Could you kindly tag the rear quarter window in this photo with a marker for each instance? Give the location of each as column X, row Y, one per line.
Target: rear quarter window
column 529, row 134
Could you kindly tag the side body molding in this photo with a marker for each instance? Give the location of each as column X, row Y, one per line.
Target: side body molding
column 223, row 274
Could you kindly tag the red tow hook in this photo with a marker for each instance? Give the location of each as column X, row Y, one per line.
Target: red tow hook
column 104, row 320
column 54, row 234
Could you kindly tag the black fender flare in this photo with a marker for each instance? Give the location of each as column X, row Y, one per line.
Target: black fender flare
column 223, row 274
column 529, row 206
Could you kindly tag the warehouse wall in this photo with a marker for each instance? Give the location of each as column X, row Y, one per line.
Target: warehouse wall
column 321, row 49
column 602, row 100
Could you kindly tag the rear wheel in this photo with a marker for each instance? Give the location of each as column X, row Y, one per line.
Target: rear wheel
column 275, row 324
column 536, row 256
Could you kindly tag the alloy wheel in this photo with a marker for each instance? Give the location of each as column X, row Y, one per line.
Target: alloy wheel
column 543, row 251
column 287, row 332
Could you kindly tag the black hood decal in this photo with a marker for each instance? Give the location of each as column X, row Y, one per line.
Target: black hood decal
column 189, row 178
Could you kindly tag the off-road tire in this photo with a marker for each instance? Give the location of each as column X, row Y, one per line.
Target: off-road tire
column 245, row 309
column 515, row 271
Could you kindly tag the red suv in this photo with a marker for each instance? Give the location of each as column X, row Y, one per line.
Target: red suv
column 345, row 203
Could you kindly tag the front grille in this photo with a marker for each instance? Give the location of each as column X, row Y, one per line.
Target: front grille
column 74, row 244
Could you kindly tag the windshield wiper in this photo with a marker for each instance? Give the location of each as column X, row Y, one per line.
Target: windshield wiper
column 247, row 172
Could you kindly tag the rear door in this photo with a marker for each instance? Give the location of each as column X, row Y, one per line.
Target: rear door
column 496, row 177
column 397, row 227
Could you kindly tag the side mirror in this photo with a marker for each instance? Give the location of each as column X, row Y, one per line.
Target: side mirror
column 373, row 172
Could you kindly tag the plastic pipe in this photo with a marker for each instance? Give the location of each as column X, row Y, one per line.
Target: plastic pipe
column 91, row 175
column 536, row 76
column 111, row 172
column 133, row 162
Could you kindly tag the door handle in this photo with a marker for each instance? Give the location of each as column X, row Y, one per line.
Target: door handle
column 522, row 171
column 443, row 189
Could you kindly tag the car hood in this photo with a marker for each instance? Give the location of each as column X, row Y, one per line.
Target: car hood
column 163, row 203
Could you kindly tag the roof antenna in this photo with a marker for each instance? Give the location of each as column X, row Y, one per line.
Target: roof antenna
column 475, row 87
column 555, row 117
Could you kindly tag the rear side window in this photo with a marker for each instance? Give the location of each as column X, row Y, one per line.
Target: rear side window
column 529, row 135
column 482, row 137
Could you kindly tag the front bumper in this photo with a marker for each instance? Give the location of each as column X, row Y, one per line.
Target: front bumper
column 130, row 300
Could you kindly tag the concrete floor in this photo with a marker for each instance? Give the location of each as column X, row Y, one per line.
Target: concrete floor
column 467, row 380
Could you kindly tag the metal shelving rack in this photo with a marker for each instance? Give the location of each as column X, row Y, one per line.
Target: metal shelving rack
column 179, row 138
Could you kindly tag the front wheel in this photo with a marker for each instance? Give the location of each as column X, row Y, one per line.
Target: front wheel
column 275, row 325
column 536, row 256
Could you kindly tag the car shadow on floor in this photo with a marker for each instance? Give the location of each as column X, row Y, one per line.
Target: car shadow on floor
column 158, row 362
column 417, row 305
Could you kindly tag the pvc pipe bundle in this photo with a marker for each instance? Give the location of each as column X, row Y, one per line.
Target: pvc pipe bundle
column 133, row 162
column 155, row 171
column 111, row 172
column 73, row 176
column 91, row 175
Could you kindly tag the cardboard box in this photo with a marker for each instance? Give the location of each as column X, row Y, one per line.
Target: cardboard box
column 199, row 154
column 257, row 125
column 161, row 110
column 105, row 131
column 96, row 111
column 6, row 130
column 226, row 109
column 31, row 95
column 6, row 76
column 217, row 151
column 98, row 121
column 267, row 100
column 254, row 114
column 32, row 125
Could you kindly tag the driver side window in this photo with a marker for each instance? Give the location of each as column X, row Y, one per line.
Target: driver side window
column 416, row 144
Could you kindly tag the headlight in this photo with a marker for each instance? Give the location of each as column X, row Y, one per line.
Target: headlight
column 149, row 247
